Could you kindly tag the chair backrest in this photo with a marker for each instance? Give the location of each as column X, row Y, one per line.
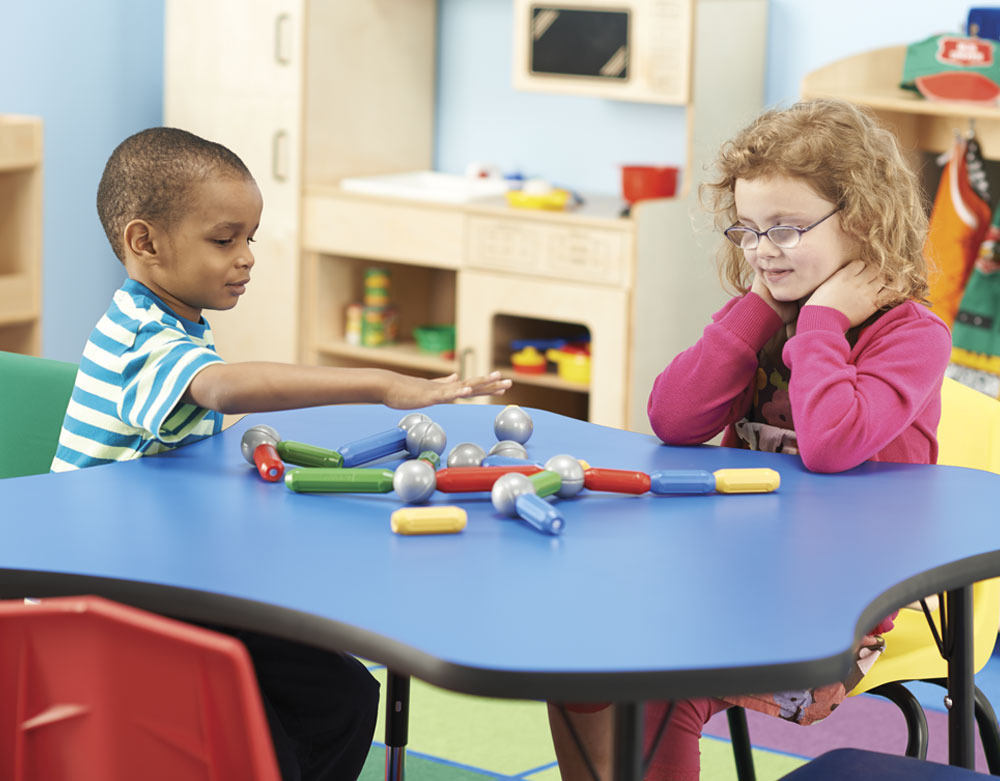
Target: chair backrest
column 92, row 689
column 34, row 393
column 969, row 432
column 968, row 436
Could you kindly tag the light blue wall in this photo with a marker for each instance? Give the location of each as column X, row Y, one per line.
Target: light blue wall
column 94, row 72
column 805, row 34
column 576, row 142
column 580, row 142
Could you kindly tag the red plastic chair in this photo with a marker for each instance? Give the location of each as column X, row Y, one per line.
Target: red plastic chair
column 92, row 689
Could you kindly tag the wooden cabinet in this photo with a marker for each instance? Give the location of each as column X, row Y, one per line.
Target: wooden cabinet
column 288, row 85
column 20, row 234
column 641, row 286
column 233, row 74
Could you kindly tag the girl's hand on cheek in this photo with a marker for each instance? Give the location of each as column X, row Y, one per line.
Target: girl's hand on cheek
column 853, row 290
column 788, row 311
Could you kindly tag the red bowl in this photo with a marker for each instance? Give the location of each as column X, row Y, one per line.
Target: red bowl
column 642, row 182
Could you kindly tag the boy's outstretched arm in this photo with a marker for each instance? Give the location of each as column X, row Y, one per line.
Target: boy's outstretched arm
column 236, row 388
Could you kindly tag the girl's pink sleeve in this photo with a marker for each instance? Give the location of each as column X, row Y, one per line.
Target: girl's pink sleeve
column 845, row 412
column 710, row 385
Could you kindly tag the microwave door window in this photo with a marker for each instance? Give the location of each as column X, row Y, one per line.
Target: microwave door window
column 572, row 42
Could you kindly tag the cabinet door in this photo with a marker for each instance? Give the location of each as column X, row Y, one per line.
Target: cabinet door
column 233, row 74
column 482, row 296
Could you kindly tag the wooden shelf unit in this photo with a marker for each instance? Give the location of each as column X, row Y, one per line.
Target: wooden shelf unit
column 872, row 79
column 20, row 234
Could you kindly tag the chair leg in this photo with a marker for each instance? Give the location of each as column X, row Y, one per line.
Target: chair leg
column 739, row 735
column 989, row 732
column 916, row 721
column 989, row 728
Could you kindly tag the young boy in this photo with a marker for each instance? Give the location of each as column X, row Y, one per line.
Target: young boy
column 180, row 213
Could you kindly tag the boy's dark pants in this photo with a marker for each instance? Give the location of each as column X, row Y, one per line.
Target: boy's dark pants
column 321, row 706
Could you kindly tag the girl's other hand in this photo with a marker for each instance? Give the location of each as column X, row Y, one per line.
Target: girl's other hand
column 853, row 290
column 788, row 311
column 405, row 392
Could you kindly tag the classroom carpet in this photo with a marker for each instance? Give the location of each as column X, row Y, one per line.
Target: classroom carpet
column 454, row 737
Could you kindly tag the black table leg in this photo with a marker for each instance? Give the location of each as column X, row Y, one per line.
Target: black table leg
column 397, row 712
column 628, row 742
column 961, row 684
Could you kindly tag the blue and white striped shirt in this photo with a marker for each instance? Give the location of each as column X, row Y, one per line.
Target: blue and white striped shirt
column 136, row 366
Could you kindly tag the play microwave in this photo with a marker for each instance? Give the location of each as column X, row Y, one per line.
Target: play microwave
column 636, row 50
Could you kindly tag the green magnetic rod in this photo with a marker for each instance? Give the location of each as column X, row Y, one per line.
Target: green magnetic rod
column 339, row 480
column 302, row 454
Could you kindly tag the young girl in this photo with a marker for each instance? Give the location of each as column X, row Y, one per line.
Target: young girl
column 828, row 352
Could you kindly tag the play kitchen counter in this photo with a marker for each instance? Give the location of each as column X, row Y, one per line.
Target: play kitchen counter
column 497, row 272
column 500, row 274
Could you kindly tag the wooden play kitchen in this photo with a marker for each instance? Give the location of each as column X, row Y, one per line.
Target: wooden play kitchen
column 319, row 96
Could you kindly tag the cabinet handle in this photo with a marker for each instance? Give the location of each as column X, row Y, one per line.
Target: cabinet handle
column 279, row 39
column 277, row 143
column 463, row 356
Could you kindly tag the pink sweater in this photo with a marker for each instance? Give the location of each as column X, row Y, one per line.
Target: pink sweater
column 878, row 401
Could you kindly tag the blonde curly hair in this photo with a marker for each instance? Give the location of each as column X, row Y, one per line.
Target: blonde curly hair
column 848, row 159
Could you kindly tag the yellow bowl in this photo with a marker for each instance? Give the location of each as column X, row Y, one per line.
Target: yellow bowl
column 554, row 200
column 571, row 366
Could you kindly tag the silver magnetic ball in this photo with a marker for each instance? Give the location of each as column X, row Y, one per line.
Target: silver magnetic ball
column 254, row 437
column 513, row 423
column 409, row 421
column 414, row 481
column 508, row 447
column 466, row 454
column 507, row 489
column 426, row 435
column 571, row 472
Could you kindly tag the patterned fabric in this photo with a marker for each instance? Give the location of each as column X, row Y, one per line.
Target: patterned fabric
column 807, row 706
column 136, row 366
column 975, row 357
column 959, row 220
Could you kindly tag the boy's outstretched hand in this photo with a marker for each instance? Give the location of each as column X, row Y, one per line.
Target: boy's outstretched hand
column 405, row 392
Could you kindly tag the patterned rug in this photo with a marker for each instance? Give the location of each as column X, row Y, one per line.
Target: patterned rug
column 453, row 737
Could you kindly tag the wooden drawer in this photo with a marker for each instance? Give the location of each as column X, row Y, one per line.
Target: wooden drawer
column 363, row 227
column 566, row 252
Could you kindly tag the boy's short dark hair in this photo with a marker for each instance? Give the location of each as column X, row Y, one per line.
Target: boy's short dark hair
column 149, row 175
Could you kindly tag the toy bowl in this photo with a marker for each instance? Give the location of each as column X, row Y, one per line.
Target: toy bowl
column 435, row 338
column 645, row 182
column 554, row 200
column 572, row 365
column 528, row 361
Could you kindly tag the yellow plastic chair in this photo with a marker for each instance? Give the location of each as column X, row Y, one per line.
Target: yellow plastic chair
column 968, row 436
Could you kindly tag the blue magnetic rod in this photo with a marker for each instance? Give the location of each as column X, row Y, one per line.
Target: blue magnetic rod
column 539, row 513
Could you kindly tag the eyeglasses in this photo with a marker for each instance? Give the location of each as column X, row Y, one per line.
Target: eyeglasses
column 783, row 236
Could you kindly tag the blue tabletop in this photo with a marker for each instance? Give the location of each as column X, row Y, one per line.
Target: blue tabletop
column 641, row 596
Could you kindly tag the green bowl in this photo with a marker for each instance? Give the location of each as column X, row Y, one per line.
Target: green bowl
column 435, row 338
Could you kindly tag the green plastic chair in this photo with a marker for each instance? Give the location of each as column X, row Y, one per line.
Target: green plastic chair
column 34, row 394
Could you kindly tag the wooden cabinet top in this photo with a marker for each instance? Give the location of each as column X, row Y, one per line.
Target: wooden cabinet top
column 20, row 141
